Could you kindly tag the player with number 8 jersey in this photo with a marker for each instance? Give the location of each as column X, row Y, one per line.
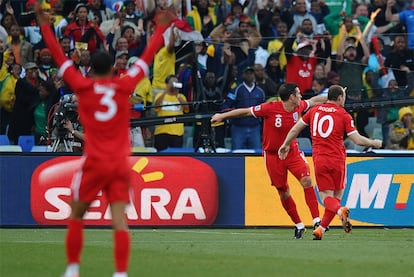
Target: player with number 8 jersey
column 279, row 117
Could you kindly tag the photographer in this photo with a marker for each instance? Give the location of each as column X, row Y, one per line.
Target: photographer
column 67, row 133
column 170, row 103
column 75, row 129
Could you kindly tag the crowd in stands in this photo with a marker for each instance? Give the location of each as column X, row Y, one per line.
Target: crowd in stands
column 219, row 55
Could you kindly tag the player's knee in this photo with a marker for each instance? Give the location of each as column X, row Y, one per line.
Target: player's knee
column 306, row 182
column 283, row 192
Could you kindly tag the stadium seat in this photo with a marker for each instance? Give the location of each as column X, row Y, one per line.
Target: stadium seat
column 26, row 142
column 178, row 150
column 222, row 150
column 188, row 143
column 304, row 143
column 243, row 151
column 137, row 149
column 10, row 148
column 371, row 126
column 4, row 140
column 377, row 133
column 40, row 148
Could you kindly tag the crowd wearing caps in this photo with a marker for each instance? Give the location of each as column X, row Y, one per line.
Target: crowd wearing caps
column 121, row 53
column 248, row 69
column 30, row 65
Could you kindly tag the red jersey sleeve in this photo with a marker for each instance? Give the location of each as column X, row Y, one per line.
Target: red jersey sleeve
column 70, row 74
column 49, row 37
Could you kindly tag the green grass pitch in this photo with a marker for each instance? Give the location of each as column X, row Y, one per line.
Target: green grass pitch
column 215, row 252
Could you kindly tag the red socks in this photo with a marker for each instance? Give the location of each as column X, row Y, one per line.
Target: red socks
column 74, row 241
column 332, row 204
column 311, row 201
column 327, row 218
column 290, row 208
column 122, row 244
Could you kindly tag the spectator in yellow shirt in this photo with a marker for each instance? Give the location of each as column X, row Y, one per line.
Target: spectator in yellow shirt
column 170, row 103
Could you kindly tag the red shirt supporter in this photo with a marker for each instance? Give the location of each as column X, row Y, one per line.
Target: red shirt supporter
column 82, row 30
column 302, row 61
column 301, row 71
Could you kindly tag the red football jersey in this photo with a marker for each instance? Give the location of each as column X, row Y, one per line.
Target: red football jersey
column 328, row 124
column 277, row 123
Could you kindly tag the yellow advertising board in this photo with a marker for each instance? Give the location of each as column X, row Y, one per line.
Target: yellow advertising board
column 263, row 206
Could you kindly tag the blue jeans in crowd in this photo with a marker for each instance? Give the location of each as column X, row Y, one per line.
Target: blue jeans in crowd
column 246, row 137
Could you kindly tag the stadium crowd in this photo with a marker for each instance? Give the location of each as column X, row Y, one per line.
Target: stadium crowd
column 218, row 56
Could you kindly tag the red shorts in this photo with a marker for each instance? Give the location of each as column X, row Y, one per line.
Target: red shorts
column 112, row 177
column 329, row 175
column 277, row 169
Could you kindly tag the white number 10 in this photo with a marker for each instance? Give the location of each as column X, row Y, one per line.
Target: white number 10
column 318, row 123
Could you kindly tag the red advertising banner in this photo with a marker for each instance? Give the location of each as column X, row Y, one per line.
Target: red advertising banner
column 178, row 191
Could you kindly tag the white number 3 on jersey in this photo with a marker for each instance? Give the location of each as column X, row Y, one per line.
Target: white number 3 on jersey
column 107, row 100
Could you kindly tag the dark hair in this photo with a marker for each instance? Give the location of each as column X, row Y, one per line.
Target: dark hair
column 322, row 81
column 101, row 63
column 169, row 77
column 286, row 90
column 63, row 37
column 334, row 92
column 123, row 30
column 49, row 85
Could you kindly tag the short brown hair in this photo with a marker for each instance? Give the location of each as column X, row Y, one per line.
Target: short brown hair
column 334, row 92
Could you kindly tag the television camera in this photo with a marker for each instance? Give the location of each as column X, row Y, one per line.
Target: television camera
column 65, row 110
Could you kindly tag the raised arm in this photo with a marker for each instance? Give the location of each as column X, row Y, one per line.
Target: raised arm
column 389, row 16
column 49, row 37
column 163, row 21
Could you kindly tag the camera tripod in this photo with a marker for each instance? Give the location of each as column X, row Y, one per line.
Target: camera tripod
column 205, row 139
column 59, row 142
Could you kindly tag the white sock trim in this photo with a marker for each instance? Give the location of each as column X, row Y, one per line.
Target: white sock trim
column 120, row 274
column 300, row 225
column 316, row 220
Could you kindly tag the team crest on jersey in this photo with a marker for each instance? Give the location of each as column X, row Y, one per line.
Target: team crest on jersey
column 257, row 108
column 295, row 116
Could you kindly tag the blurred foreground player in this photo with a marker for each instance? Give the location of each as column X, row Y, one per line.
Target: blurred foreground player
column 328, row 122
column 103, row 104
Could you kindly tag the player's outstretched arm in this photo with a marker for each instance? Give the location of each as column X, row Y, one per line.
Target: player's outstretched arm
column 219, row 117
column 363, row 141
